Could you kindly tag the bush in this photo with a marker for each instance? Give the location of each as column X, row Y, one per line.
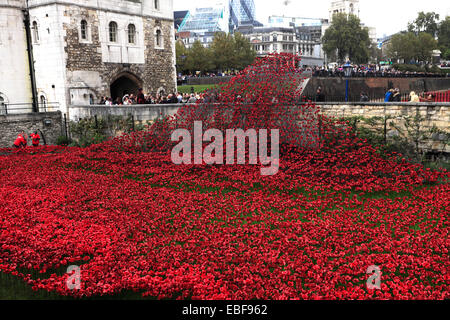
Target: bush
column 63, row 141
column 408, row 68
column 416, row 68
column 93, row 130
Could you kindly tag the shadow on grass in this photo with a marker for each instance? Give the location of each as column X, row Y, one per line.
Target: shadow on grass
column 14, row 288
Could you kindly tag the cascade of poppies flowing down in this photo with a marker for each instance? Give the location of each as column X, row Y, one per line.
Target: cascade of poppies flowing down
column 133, row 220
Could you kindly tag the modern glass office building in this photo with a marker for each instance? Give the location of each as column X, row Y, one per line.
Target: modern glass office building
column 211, row 19
column 242, row 12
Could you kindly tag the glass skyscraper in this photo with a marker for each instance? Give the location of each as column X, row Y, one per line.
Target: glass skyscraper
column 242, row 12
column 211, row 19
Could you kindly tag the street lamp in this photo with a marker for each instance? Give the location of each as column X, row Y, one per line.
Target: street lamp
column 348, row 73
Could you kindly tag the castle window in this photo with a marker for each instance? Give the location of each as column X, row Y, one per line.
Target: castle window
column 84, row 30
column 2, row 105
column 132, row 34
column 156, row 4
column 43, row 103
column 158, row 39
column 112, row 32
column 35, row 30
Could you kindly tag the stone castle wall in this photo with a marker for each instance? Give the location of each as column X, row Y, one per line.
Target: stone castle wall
column 374, row 87
column 12, row 125
column 70, row 70
column 97, row 63
column 433, row 114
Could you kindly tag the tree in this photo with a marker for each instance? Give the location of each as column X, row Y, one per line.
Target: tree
column 376, row 54
column 244, row 55
column 425, row 45
column 402, row 46
column 411, row 47
column 199, row 58
column 223, row 51
column 425, row 22
column 346, row 37
column 444, row 38
column 181, row 55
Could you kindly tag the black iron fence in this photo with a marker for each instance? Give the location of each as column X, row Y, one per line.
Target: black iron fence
column 378, row 74
column 404, row 97
column 21, row 108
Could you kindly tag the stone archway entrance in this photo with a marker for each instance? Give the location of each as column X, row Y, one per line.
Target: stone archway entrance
column 125, row 83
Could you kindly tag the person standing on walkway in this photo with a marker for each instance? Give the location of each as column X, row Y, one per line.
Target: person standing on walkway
column 320, row 97
column 388, row 95
column 414, row 97
column 396, row 96
column 141, row 97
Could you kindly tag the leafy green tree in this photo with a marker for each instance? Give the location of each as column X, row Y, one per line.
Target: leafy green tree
column 444, row 38
column 199, row 58
column 244, row 55
column 181, row 55
column 425, row 22
column 346, row 37
column 411, row 47
column 402, row 46
column 223, row 51
column 376, row 54
column 425, row 45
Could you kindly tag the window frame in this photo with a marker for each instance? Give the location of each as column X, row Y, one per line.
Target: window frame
column 35, row 32
column 3, row 104
column 84, row 23
column 159, row 38
column 112, row 24
column 132, row 26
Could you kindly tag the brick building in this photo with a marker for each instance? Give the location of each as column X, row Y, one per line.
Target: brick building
column 85, row 49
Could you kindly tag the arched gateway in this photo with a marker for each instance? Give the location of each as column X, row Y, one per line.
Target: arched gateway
column 125, row 83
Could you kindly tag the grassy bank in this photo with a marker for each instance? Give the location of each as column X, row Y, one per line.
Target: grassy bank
column 197, row 88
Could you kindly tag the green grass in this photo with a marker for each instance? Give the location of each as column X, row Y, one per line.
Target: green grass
column 197, row 88
column 438, row 165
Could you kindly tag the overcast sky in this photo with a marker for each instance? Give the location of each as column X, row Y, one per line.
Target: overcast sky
column 388, row 16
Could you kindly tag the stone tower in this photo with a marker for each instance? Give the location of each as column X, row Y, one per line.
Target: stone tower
column 91, row 48
column 344, row 6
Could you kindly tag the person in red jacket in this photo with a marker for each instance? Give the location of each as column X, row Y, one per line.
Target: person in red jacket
column 35, row 139
column 21, row 141
column 141, row 97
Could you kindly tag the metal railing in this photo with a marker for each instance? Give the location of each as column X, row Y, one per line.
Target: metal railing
column 22, row 108
column 353, row 98
column 341, row 74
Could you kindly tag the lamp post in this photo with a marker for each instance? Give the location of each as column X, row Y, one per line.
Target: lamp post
column 347, row 73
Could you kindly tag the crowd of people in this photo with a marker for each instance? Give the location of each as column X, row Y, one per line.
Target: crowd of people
column 172, row 98
column 392, row 95
column 182, row 79
column 371, row 71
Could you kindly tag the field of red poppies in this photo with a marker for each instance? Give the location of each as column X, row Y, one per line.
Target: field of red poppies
column 133, row 220
column 136, row 221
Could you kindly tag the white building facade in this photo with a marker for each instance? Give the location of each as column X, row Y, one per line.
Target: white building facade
column 86, row 49
column 351, row 7
column 286, row 40
column 344, row 6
